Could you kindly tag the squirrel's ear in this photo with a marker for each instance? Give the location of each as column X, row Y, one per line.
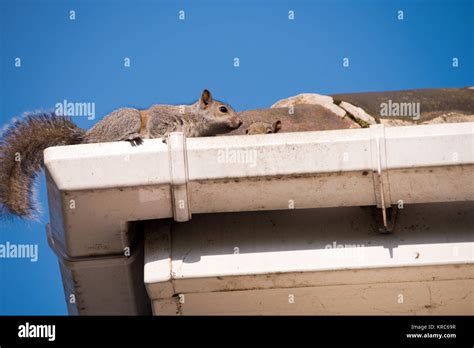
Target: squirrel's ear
column 206, row 98
column 276, row 126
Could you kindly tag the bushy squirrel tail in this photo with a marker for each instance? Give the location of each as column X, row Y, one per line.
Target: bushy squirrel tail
column 21, row 157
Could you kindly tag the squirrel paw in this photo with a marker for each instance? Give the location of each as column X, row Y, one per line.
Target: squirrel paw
column 135, row 139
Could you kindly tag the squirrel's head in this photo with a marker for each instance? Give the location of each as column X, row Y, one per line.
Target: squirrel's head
column 220, row 116
column 263, row 128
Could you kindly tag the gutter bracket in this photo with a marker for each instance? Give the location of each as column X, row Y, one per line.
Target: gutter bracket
column 380, row 176
column 178, row 163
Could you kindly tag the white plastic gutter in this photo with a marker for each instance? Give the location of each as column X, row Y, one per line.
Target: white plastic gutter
column 418, row 164
column 95, row 190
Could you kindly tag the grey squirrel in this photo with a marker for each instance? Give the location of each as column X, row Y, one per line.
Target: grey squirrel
column 263, row 128
column 23, row 143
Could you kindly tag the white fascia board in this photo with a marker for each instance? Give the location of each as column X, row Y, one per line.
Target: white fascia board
column 228, row 251
column 113, row 183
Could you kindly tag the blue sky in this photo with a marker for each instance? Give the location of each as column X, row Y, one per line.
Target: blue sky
column 173, row 60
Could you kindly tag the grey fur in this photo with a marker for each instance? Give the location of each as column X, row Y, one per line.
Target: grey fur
column 263, row 128
column 121, row 124
column 21, row 157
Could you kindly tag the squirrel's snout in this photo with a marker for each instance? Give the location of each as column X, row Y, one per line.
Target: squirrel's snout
column 235, row 123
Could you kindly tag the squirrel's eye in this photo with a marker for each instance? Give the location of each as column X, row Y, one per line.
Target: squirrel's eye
column 223, row 109
column 269, row 131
